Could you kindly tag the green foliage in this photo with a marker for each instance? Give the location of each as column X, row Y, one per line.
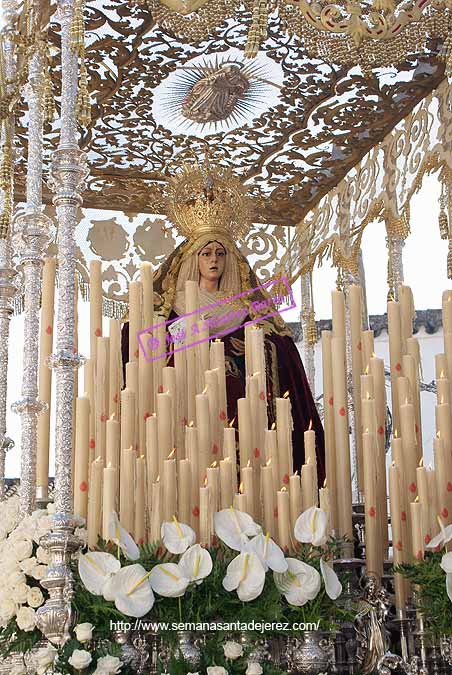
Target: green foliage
column 12, row 639
column 431, row 596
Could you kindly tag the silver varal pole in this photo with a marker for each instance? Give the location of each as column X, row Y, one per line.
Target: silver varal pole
column 68, row 173
column 308, row 347
column 7, row 273
column 31, row 238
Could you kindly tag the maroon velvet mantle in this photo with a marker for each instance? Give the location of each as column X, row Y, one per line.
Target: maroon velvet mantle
column 283, row 356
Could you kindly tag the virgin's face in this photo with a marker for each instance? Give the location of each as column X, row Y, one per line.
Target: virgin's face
column 211, row 261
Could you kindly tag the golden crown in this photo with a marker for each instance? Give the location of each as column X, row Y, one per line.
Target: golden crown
column 208, row 199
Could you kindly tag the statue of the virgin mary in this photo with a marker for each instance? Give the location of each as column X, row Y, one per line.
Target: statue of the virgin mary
column 208, row 205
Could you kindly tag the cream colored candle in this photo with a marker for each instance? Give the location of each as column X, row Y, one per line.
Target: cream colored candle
column 271, row 454
column 308, row 496
column 342, row 442
column 444, row 425
column 395, row 355
column 268, row 498
column 354, row 299
column 170, row 387
column 443, row 471
column 113, row 432
column 147, row 283
column 283, row 505
column 442, row 389
column 422, row 491
column 378, row 375
column 102, row 394
column 204, row 436
column 169, row 485
column 416, row 530
column 294, row 498
column 81, row 456
column 448, row 351
column 406, row 314
column 410, row 453
column 108, row 498
column 159, row 356
column 145, row 397
column 447, row 311
column 403, row 391
column 152, row 450
column 95, row 305
column 88, row 381
column 156, row 511
column 211, row 384
column 205, row 515
column 245, row 430
column 328, row 423
column 284, row 427
column 140, row 500
column 240, row 501
column 127, row 419
column 410, row 370
column 338, row 309
column 180, row 364
column 191, row 445
column 94, row 521
column 367, row 386
column 213, row 481
column 369, row 415
column 230, row 451
column 184, row 491
column 398, row 459
column 310, row 456
column 433, row 508
column 217, row 362
column 191, row 305
column 164, row 429
column 135, row 295
column 324, row 500
column 374, row 560
column 114, row 367
column 367, row 341
column 126, row 494
column 398, row 552
column 247, row 476
column 45, row 375
column 226, row 491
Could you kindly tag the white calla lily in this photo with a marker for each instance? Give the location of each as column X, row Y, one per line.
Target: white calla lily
column 300, row 584
column 245, row 574
column 270, row 554
column 449, row 586
column 133, row 594
column 95, row 569
column 177, row 537
column 311, row 527
column 446, row 563
column 234, row 527
column 333, row 586
column 122, row 538
column 167, row 580
column 195, row 564
column 444, row 536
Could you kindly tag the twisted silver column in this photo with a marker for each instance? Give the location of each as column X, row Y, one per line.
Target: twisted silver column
column 395, row 254
column 68, row 172
column 32, row 235
column 308, row 349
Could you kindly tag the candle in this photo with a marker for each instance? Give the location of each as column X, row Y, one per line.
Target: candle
column 88, row 380
column 205, row 515
column 284, row 427
column 369, row 415
column 294, row 498
column 184, row 490
column 377, row 372
column 102, row 394
column 343, row 479
column 147, row 283
column 443, row 466
column 126, row 491
column 398, row 459
column 211, row 384
column 354, row 298
column 245, row 433
column 403, row 391
column 310, row 455
column 442, row 389
column 145, row 397
column 397, row 535
column 135, row 292
column 240, row 500
column 180, row 408
column 95, row 305
column 367, row 341
column 283, row 505
column 308, row 496
column 411, row 371
column 416, row 529
column 268, row 494
column 140, row 500
column 422, row 490
column 433, row 508
column 204, row 439
column 324, row 499
column 447, row 311
column 152, row 450
column 271, row 455
column 444, row 425
column 164, row 429
column 169, row 387
column 330, row 450
column 191, row 305
column 81, row 456
column 159, row 356
column 247, row 475
column 45, row 375
column 127, row 418
column 94, row 502
column 407, row 314
column 410, row 453
column 448, row 350
column 213, row 481
column 230, row 451
column 169, row 483
column 374, row 562
column 338, row 310
column 226, row 490
column 191, row 445
column 108, row 499
column 217, row 362
column 156, row 511
column 114, row 367
column 395, row 355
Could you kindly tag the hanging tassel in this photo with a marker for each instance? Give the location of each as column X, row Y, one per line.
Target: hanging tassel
column 77, row 29
column 311, row 328
column 443, row 224
column 258, row 29
column 83, row 105
column 449, row 260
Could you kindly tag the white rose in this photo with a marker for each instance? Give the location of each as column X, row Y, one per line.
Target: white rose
column 39, row 572
column 26, row 618
column 8, row 608
column 45, row 656
column 16, row 578
column 22, row 549
column 80, row 659
column 20, row 593
column 84, row 632
column 18, row 669
column 216, row 670
column 35, row 597
column 232, row 650
column 254, row 668
column 43, row 555
column 28, row 565
column 109, row 664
